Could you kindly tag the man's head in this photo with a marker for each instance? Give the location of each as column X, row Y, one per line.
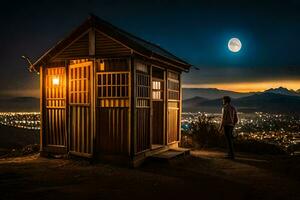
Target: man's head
column 226, row 100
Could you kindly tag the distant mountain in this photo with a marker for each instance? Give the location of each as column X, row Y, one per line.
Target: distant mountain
column 283, row 91
column 194, row 102
column 19, row 104
column 270, row 102
column 264, row 102
column 211, row 93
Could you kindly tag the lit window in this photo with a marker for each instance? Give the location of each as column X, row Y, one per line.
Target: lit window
column 156, row 90
column 156, row 95
column 156, row 85
column 101, row 65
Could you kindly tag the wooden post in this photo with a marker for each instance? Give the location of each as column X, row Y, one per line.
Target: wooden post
column 68, row 136
column 166, row 106
column 69, row 108
column 92, row 47
column 93, row 104
column 151, row 109
column 92, row 43
column 133, row 108
column 180, row 108
column 42, row 108
column 129, row 136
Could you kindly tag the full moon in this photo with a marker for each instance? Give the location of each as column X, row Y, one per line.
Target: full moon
column 234, row 45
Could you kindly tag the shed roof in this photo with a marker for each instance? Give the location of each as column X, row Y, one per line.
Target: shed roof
column 137, row 44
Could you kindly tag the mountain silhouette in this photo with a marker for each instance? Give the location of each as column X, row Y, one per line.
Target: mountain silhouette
column 20, row 104
column 194, row 102
column 263, row 102
column 283, row 91
column 211, row 93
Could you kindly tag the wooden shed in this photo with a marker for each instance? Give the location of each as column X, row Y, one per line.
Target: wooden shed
column 108, row 94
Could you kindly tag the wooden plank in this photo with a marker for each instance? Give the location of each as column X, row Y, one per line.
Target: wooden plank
column 130, row 142
column 42, row 108
column 133, row 119
column 106, row 45
column 93, row 103
column 151, row 109
column 81, row 154
column 78, row 47
column 158, row 122
column 81, row 105
column 180, row 108
column 92, row 42
column 55, row 105
column 67, row 112
column 166, row 107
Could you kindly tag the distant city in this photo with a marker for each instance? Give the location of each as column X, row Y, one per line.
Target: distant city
column 280, row 129
column 26, row 120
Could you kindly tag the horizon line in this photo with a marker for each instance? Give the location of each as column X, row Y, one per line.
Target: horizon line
column 246, row 87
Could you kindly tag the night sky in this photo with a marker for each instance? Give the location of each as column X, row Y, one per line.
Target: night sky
column 195, row 31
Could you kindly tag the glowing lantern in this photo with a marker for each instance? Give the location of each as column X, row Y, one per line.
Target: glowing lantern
column 55, row 81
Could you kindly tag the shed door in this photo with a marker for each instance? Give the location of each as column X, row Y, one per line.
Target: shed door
column 80, row 108
column 112, row 107
column 158, row 106
column 56, row 107
column 173, row 107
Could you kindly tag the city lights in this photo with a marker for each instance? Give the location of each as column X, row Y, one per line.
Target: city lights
column 26, row 120
column 279, row 129
column 283, row 130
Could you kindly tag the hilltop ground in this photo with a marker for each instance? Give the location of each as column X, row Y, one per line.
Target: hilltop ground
column 16, row 138
column 203, row 175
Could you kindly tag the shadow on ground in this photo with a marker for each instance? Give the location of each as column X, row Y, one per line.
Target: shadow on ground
column 203, row 175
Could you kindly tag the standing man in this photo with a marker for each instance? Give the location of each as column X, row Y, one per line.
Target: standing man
column 229, row 120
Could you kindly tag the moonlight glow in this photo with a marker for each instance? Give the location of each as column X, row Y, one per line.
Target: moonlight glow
column 234, row 45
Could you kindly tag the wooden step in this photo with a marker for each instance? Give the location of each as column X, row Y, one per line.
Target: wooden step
column 170, row 154
column 296, row 153
column 184, row 150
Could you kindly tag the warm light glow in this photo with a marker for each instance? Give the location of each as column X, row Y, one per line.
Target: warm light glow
column 55, row 81
column 156, row 87
column 249, row 86
column 234, row 45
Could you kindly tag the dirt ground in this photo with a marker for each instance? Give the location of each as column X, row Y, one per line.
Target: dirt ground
column 16, row 138
column 203, row 175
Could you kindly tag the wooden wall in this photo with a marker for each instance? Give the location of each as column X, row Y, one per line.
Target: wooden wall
column 103, row 45
column 78, row 48
column 55, row 124
column 173, row 93
column 106, row 46
column 143, row 87
column 158, row 122
column 158, row 105
column 112, row 106
column 81, row 130
column 112, row 130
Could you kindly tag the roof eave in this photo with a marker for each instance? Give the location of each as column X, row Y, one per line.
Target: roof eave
column 108, row 29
